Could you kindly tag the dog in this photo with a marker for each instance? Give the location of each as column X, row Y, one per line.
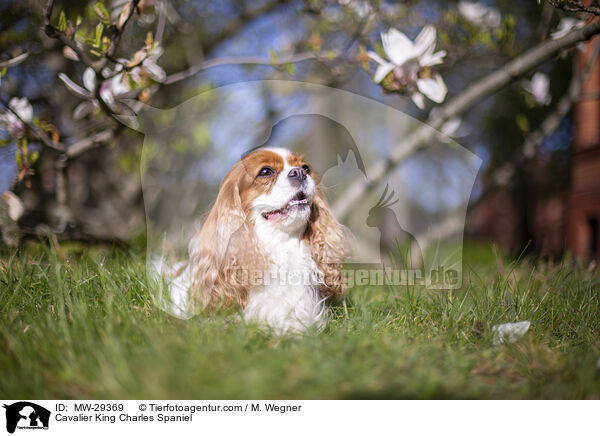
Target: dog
column 270, row 246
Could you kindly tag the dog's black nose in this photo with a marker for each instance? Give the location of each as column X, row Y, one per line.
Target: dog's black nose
column 297, row 174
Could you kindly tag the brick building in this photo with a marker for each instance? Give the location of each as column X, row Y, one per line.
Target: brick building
column 583, row 206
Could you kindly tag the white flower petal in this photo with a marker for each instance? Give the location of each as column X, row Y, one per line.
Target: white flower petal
column 540, row 84
column 72, row 86
column 118, row 85
column 22, row 107
column 434, row 88
column 397, row 46
column 16, row 60
column 382, row 71
column 82, row 109
column 89, row 79
column 69, row 53
column 539, row 87
column 480, row 14
column 433, row 59
column 425, row 41
column 377, row 58
column 16, row 209
column 510, row 332
column 418, row 99
column 156, row 72
column 24, row 114
column 156, row 53
column 565, row 26
column 136, row 75
column 107, row 96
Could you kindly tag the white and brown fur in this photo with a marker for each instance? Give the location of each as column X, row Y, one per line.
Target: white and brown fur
column 252, row 227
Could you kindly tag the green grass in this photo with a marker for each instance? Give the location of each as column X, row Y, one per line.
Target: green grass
column 77, row 325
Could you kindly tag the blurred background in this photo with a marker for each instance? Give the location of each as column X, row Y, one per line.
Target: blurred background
column 71, row 70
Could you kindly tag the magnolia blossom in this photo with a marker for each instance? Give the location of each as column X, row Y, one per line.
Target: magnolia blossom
column 565, row 26
column 119, row 81
column 480, row 14
column 410, row 62
column 109, row 89
column 149, row 65
column 13, row 123
column 539, row 87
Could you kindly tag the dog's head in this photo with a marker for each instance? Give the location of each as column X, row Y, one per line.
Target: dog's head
column 275, row 192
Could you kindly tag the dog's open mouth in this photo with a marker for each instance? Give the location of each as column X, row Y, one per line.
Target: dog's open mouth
column 298, row 201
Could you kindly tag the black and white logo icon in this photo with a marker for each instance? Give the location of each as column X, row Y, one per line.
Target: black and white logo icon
column 26, row 415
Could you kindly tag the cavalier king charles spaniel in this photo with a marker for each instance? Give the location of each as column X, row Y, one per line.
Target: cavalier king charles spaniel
column 270, row 245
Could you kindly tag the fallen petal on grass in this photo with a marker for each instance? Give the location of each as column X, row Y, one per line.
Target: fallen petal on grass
column 509, row 332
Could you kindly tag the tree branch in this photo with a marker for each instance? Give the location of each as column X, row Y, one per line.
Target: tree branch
column 456, row 106
column 88, row 143
column 575, row 6
column 98, row 66
column 513, row 69
column 116, row 40
column 37, row 132
column 564, row 105
column 450, row 225
column 244, row 60
column 161, row 6
column 52, row 32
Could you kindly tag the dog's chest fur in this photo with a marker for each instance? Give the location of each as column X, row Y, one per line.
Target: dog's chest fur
column 286, row 297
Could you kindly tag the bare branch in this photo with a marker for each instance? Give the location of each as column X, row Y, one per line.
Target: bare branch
column 210, row 41
column 575, row 6
column 245, row 60
column 88, row 143
column 162, row 20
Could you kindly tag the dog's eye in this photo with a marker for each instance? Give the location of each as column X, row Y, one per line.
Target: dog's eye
column 266, row 172
column 306, row 168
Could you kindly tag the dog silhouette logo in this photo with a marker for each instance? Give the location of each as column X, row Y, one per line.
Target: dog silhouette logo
column 26, row 415
column 394, row 239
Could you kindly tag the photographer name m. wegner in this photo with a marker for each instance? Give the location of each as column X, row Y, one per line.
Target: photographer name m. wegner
column 123, row 417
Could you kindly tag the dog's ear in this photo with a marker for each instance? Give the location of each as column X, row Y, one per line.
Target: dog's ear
column 328, row 244
column 222, row 248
